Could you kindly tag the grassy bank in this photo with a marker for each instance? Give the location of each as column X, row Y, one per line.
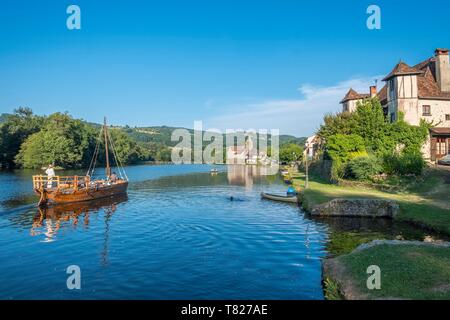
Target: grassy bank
column 425, row 204
column 407, row 272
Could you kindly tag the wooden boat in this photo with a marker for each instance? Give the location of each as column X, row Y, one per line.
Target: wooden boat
column 281, row 198
column 68, row 189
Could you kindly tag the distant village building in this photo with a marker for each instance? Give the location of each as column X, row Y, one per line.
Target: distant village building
column 246, row 154
column 419, row 92
column 312, row 145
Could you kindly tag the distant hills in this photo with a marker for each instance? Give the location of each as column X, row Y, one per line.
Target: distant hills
column 161, row 135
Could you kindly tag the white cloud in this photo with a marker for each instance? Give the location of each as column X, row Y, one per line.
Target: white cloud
column 300, row 117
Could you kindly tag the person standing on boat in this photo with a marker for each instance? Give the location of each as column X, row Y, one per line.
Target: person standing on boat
column 113, row 177
column 50, row 172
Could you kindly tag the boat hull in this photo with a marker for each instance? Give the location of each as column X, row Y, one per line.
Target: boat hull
column 274, row 197
column 81, row 195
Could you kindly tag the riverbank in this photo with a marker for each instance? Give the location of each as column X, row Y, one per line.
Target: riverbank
column 410, row 271
column 425, row 205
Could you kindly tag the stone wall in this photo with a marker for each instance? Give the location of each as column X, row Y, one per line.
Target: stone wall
column 357, row 208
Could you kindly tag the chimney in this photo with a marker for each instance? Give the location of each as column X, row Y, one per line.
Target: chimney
column 373, row 91
column 443, row 69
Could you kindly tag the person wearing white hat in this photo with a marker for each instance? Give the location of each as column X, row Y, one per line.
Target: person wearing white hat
column 50, row 172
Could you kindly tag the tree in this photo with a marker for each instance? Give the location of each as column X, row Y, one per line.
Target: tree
column 14, row 131
column 290, row 152
column 164, row 155
column 62, row 141
column 341, row 123
column 128, row 151
column 371, row 124
column 341, row 148
column 368, row 129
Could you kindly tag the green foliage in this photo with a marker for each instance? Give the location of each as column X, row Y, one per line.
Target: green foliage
column 341, row 123
column 332, row 289
column 406, row 163
column 70, row 143
column 164, row 155
column 30, row 141
column 363, row 168
column 14, row 130
column 290, row 153
column 62, row 141
column 398, row 144
column 341, row 148
column 409, row 138
column 128, row 151
column 371, row 125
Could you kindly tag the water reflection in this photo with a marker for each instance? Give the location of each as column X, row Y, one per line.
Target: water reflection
column 177, row 237
column 49, row 220
column 246, row 175
column 347, row 233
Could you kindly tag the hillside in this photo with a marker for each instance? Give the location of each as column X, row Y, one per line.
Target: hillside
column 162, row 135
column 137, row 144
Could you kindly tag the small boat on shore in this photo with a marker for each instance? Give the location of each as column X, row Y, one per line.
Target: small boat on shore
column 280, row 198
column 68, row 189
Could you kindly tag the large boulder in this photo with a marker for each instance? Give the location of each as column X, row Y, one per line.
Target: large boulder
column 357, row 208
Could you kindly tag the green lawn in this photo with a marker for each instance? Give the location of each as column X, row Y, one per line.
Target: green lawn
column 425, row 203
column 407, row 271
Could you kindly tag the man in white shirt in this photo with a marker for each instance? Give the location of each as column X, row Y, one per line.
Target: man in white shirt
column 50, row 172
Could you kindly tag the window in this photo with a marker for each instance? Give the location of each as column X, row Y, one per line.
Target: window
column 426, row 111
column 447, row 117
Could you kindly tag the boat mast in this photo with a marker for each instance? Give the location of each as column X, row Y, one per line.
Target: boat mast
column 108, row 169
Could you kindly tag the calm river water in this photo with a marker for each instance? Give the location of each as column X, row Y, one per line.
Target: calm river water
column 177, row 235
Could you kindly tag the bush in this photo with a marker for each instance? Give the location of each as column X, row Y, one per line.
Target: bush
column 290, row 153
column 363, row 168
column 380, row 136
column 340, row 149
column 404, row 164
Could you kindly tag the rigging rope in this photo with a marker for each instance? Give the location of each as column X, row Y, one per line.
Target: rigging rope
column 118, row 162
column 93, row 163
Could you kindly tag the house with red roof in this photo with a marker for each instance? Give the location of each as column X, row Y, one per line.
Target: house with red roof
column 419, row 92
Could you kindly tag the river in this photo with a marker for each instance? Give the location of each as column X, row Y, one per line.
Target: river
column 176, row 235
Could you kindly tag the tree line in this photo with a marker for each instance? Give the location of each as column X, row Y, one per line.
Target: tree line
column 31, row 141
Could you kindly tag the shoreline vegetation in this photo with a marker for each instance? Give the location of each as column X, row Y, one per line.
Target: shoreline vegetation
column 31, row 141
column 422, row 271
column 364, row 159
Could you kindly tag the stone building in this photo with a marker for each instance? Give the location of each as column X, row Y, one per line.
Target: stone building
column 419, row 92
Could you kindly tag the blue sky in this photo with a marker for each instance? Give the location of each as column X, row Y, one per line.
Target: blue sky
column 232, row 64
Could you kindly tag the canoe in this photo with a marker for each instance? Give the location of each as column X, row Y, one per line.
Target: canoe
column 276, row 197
